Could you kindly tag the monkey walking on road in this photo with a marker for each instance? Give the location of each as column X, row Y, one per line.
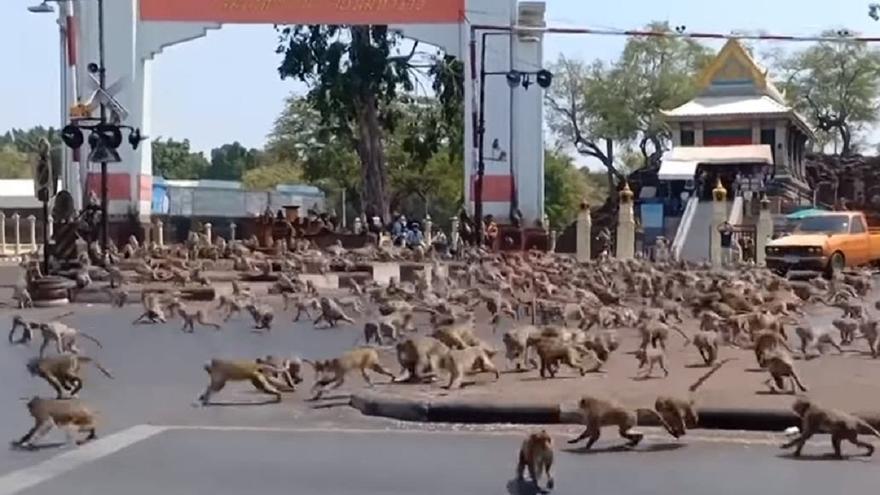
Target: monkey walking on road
column 680, row 413
column 71, row 415
column 536, row 455
column 597, row 413
column 841, row 425
column 62, row 372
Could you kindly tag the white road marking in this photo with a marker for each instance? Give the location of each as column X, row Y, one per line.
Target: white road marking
column 23, row 479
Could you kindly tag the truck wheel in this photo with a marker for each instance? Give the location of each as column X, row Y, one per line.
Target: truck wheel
column 836, row 264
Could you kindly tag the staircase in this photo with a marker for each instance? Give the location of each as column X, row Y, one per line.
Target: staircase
column 692, row 239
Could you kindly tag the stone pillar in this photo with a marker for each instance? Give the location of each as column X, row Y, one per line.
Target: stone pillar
column 583, row 232
column 17, row 224
column 51, row 227
column 763, row 231
column 429, row 230
column 553, row 236
column 358, row 226
column 160, row 234
column 209, row 232
column 719, row 216
column 32, row 226
column 232, row 228
column 2, row 233
column 626, row 225
column 453, row 237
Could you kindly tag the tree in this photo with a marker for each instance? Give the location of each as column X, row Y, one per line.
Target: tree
column 175, row 160
column 269, row 176
column 353, row 77
column 27, row 142
column 599, row 106
column 565, row 187
column 14, row 164
column 835, row 85
column 231, row 161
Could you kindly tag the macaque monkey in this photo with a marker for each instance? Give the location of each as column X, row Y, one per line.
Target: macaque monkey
column 847, row 328
column 680, row 413
column 62, row 372
column 516, row 346
column 191, row 317
column 333, row 371
column 71, row 415
column 293, row 366
column 232, row 305
column 706, row 342
column 153, row 310
column 262, row 315
column 63, row 335
column 809, row 336
column 418, row 358
column 597, row 413
column 331, row 313
column 650, row 356
column 656, row 332
column 781, row 365
column 23, row 297
column 553, row 352
column 870, row 333
column 258, row 373
column 459, row 362
column 841, row 425
column 536, row 455
column 766, row 342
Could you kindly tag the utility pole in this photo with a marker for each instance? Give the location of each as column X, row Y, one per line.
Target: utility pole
column 102, row 79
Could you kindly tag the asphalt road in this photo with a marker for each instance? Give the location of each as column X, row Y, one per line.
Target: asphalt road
column 381, row 462
column 158, row 373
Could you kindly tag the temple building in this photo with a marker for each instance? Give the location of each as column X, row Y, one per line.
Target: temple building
column 738, row 125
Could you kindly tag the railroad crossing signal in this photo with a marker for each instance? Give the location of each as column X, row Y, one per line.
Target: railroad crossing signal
column 43, row 184
column 118, row 113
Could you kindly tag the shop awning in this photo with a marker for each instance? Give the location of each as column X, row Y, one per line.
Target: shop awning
column 677, row 170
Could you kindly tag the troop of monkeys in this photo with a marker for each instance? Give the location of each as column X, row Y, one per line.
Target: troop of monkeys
column 575, row 309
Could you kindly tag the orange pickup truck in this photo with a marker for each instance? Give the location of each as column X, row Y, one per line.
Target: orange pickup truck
column 825, row 242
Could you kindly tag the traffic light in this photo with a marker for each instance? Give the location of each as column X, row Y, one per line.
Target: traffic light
column 43, row 186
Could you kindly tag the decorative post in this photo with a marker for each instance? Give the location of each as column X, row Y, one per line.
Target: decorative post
column 553, row 236
column 429, row 230
column 454, row 235
column 17, row 224
column 719, row 216
column 358, row 226
column 51, row 226
column 232, row 228
column 2, row 233
column 763, row 231
column 209, row 234
column 545, row 221
column 626, row 225
column 584, row 227
column 32, row 225
column 160, row 233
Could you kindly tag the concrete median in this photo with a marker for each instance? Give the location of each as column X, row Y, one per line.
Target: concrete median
column 374, row 404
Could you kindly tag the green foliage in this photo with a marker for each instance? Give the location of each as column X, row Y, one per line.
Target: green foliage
column 231, row 161
column 565, row 186
column 835, row 85
column 18, row 142
column 14, row 164
column 175, row 160
column 598, row 106
column 269, row 176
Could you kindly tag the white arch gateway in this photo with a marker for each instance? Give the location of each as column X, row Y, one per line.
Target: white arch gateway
column 136, row 31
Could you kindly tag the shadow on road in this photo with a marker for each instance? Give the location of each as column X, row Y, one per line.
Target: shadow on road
column 828, row 456
column 522, row 487
column 646, row 449
column 242, row 403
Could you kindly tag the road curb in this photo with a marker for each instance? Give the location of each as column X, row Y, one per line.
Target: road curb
column 373, row 404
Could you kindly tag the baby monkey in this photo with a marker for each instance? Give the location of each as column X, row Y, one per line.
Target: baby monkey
column 536, row 455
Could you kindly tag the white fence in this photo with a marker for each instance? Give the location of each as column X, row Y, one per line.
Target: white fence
column 23, row 237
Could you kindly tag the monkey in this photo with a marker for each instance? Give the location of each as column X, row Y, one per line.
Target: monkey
column 23, row 297
column 72, row 415
column 810, row 336
column 552, row 352
column 516, row 345
column 457, row 336
column 870, row 333
column 118, row 297
column 260, row 374
column 304, row 305
column 190, row 318
column 371, row 333
column 153, row 310
column 62, row 372
column 418, row 358
column 656, row 332
column 766, row 341
column 847, row 328
column 536, row 455
column 63, row 335
column 680, row 413
column 331, row 313
column 351, row 303
column 262, row 315
column 706, row 342
column 597, row 413
column 293, row 366
column 459, row 362
column 232, row 305
column 841, row 425
column 780, row 365
column 650, row 356
column 333, row 371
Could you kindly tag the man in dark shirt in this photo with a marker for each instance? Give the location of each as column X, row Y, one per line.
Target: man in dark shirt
column 726, row 231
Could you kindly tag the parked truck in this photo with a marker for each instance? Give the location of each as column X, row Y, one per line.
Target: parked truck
column 825, row 242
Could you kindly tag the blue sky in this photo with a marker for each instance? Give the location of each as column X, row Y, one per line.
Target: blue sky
column 225, row 87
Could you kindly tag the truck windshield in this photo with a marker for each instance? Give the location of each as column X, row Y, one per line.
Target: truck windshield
column 829, row 224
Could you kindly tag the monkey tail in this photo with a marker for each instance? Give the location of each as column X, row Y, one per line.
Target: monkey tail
column 93, row 339
column 657, row 416
column 687, row 340
column 693, row 388
column 64, row 315
column 101, row 368
column 871, row 429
